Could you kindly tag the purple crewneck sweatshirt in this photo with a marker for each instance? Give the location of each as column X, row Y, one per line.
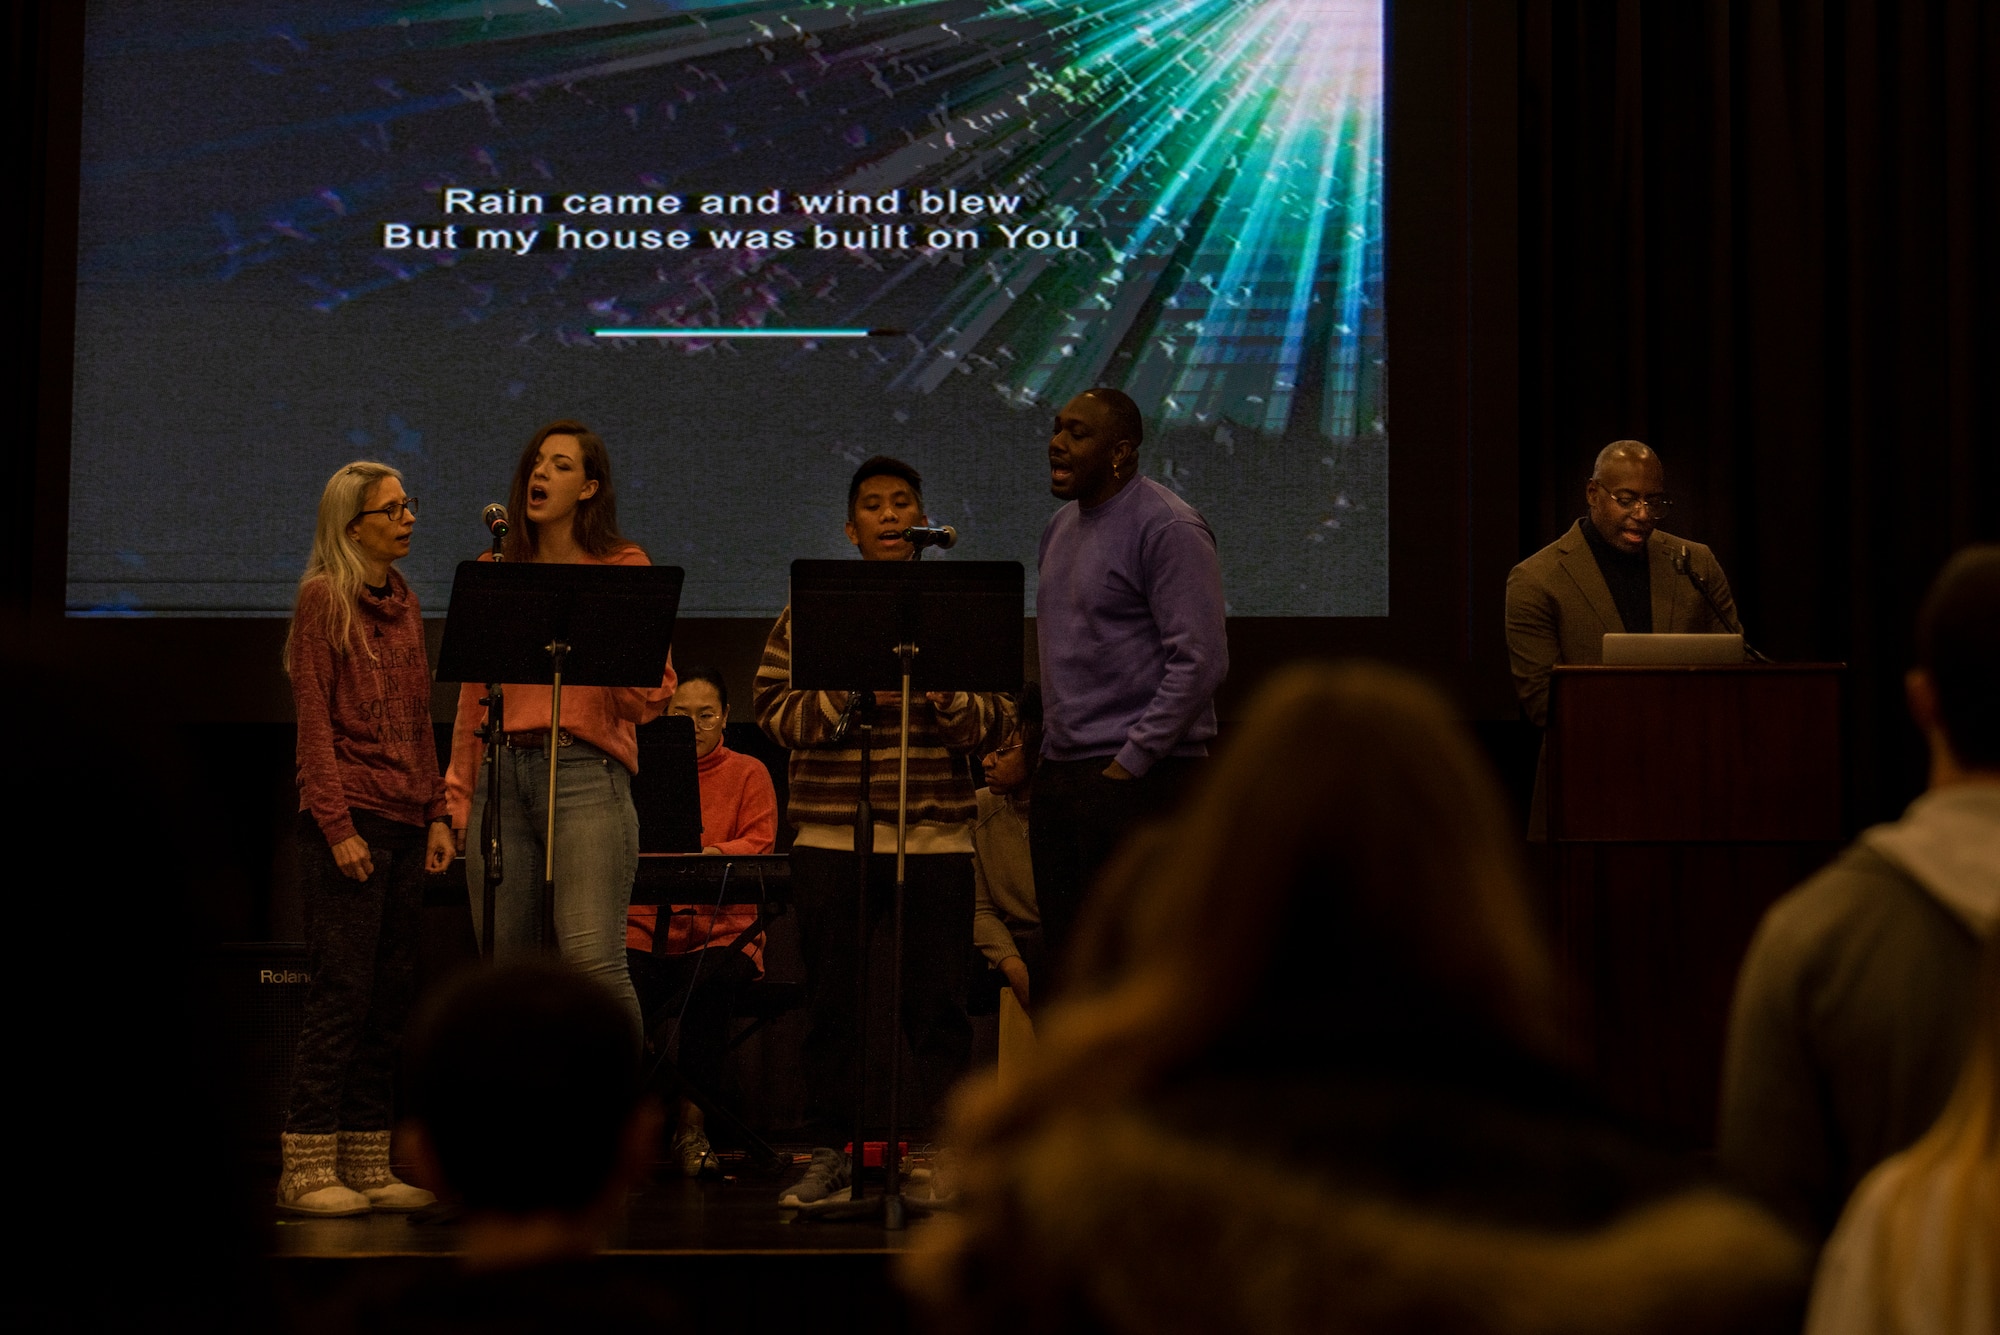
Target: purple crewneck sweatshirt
column 1129, row 619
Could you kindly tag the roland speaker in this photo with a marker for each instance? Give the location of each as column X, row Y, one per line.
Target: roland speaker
column 260, row 991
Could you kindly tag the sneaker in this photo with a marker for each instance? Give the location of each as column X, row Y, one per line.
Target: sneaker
column 692, row 1153
column 826, row 1174
column 943, row 1180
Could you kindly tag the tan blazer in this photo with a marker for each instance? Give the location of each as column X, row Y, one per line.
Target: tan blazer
column 1559, row 608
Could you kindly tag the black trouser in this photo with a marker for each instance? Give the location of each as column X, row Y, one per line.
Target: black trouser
column 1080, row 819
column 716, row 976
column 988, row 982
column 937, row 927
column 361, row 948
column 1033, row 944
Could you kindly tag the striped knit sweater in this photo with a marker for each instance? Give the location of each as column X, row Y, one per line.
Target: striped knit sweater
column 825, row 776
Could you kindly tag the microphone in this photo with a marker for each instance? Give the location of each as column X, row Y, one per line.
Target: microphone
column 943, row 537
column 858, row 702
column 494, row 517
column 1684, row 567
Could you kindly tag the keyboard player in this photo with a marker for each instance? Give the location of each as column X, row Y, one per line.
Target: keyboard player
column 703, row 945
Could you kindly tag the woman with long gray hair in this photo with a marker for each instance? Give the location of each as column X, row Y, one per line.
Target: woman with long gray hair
column 371, row 822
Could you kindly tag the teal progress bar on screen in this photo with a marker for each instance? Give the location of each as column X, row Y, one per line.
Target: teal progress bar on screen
column 747, row 333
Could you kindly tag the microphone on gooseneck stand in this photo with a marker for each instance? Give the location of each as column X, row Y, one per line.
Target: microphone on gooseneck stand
column 1684, row 566
column 858, row 704
column 494, row 517
column 944, row 537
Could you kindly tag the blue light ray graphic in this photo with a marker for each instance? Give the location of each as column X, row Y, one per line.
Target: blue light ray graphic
column 1197, row 184
column 1183, row 198
column 742, row 333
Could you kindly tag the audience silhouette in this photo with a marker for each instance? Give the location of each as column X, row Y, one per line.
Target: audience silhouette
column 529, row 1112
column 1312, row 1080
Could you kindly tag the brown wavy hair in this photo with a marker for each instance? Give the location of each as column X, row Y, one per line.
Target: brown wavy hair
column 1345, row 874
column 596, row 517
column 1349, row 843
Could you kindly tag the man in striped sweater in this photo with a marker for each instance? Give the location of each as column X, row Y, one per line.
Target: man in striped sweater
column 884, row 498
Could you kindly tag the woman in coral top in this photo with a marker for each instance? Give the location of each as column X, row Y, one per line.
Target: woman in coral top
column 698, row 963
column 371, row 821
column 566, row 512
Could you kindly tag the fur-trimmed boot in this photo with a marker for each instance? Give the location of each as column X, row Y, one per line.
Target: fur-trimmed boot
column 364, row 1167
column 310, row 1182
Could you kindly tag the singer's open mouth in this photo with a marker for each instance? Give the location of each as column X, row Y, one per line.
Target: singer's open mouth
column 538, row 494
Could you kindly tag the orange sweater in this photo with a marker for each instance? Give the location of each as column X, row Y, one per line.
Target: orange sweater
column 739, row 814
column 608, row 717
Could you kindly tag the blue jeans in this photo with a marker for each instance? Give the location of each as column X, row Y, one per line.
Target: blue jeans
column 597, row 855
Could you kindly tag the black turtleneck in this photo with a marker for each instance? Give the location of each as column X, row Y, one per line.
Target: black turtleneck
column 1630, row 577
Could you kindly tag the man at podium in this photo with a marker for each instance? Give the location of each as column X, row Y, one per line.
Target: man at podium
column 1613, row 572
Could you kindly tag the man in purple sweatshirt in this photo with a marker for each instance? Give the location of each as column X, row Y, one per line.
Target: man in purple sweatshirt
column 1129, row 618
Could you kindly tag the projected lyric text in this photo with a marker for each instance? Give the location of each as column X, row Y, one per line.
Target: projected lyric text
column 516, row 223
column 750, row 243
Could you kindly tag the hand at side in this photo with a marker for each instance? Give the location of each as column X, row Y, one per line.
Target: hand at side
column 352, row 857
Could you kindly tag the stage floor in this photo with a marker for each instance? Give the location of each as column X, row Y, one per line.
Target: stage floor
column 672, row 1216
column 735, row 1261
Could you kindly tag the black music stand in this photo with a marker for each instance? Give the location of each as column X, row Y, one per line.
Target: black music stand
column 584, row 625
column 666, row 792
column 866, row 626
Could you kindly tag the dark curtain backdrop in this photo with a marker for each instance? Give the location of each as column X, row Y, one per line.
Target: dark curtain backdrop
column 1760, row 236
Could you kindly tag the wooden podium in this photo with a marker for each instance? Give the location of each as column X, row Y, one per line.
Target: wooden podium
column 1682, row 801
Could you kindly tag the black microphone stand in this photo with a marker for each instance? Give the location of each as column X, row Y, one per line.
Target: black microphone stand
column 968, row 622
column 892, row 1159
column 893, row 1206
column 1685, row 566
column 859, row 719
column 494, row 734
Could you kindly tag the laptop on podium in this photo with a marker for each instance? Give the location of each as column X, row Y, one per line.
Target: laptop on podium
column 1671, row 650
